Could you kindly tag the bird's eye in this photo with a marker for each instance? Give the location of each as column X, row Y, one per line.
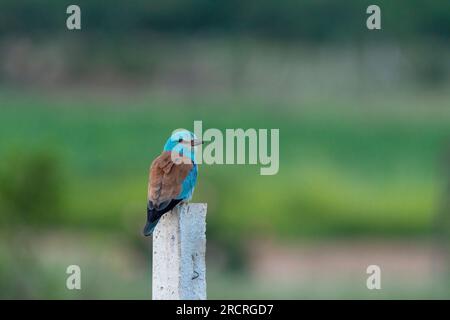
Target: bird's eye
column 180, row 140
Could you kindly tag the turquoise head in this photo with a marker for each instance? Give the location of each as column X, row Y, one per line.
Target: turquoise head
column 183, row 143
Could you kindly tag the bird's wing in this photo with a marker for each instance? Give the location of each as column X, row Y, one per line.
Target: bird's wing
column 166, row 178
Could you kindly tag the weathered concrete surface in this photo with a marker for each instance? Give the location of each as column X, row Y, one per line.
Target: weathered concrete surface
column 179, row 247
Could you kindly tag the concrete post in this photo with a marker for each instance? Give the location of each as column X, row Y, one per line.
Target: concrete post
column 179, row 247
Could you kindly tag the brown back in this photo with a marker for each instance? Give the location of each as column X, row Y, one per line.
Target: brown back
column 166, row 178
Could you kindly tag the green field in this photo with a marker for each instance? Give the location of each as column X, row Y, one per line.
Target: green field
column 347, row 169
column 342, row 169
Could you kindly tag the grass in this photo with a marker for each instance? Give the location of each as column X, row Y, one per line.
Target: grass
column 341, row 171
column 346, row 169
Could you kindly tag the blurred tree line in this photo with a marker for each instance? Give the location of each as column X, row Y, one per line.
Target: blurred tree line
column 312, row 20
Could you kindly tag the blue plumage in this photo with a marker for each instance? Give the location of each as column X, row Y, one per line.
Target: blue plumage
column 188, row 185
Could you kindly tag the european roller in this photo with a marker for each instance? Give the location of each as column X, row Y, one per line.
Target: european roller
column 172, row 178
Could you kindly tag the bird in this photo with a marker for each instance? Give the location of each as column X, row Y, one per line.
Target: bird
column 172, row 177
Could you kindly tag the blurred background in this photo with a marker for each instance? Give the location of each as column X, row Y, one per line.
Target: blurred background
column 364, row 119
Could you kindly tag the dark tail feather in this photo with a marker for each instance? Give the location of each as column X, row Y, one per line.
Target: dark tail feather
column 154, row 214
column 149, row 227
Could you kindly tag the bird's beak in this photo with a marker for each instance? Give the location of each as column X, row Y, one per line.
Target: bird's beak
column 196, row 142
